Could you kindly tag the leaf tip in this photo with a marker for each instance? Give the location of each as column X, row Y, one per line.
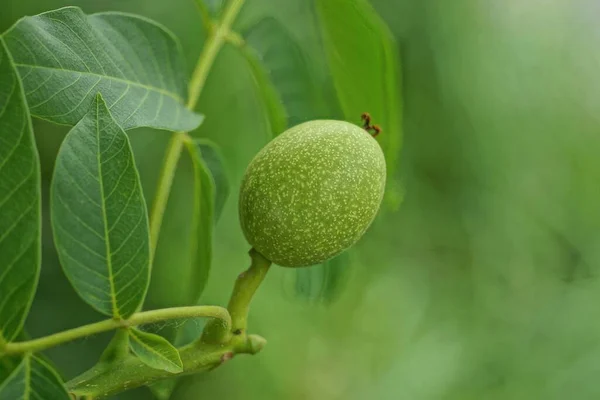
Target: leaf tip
column 100, row 102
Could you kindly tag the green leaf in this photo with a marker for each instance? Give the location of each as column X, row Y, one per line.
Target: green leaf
column 336, row 272
column 210, row 191
column 270, row 99
column 155, row 351
column 215, row 162
column 65, row 57
column 7, row 365
column 33, row 379
column 162, row 390
column 117, row 349
column 202, row 222
column 321, row 283
column 215, row 6
column 189, row 331
column 20, row 224
column 364, row 64
column 99, row 215
column 275, row 56
column 209, row 10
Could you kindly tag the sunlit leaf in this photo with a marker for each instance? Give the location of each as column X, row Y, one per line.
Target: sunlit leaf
column 364, row 64
column 99, row 215
column 276, row 57
column 65, row 57
column 33, row 379
column 20, row 195
column 214, row 161
column 155, row 351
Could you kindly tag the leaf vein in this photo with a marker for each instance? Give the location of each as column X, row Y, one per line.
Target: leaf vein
column 80, row 243
column 16, row 260
column 116, row 153
column 128, row 82
column 115, row 307
column 152, row 350
column 138, row 107
column 86, row 267
column 56, row 93
column 116, row 186
column 82, row 41
column 72, row 179
column 39, row 86
column 12, row 92
column 16, row 222
column 74, row 108
column 78, row 218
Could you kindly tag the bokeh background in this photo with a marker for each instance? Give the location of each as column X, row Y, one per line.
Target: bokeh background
column 482, row 284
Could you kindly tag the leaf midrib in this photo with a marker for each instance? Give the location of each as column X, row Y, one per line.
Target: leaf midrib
column 115, row 308
column 114, row 78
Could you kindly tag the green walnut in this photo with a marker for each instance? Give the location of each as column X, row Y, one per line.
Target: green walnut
column 312, row 192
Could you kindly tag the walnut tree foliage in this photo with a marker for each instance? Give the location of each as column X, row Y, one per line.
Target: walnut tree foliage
column 103, row 75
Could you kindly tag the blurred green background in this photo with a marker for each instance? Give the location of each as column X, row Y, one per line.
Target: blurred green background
column 483, row 284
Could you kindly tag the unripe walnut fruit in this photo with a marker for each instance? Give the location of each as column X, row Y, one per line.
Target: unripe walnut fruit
column 312, row 192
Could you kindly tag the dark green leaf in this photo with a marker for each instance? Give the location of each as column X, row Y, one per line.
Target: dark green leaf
column 20, row 223
column 65, row 57
column 7, row 365
column 364, row 64
column 155, row 351
column 99, row 215
column 202, row 222
column 215, row 162
column 280, row 59
column 33, row 379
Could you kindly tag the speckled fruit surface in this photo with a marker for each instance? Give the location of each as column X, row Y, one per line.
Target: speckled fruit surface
column 312, row 192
